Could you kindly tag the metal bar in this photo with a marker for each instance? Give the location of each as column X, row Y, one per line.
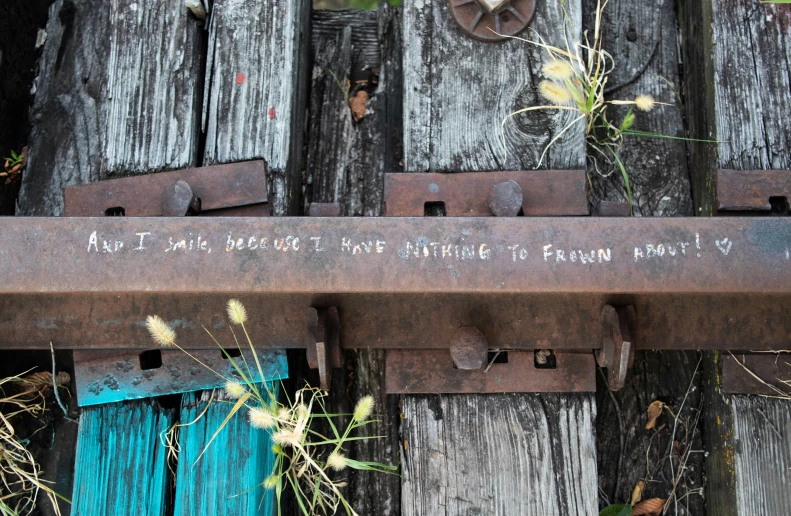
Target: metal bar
column 466, row 194
column 109, row 376
column 432, row 371
column 745, row 190
column 403, row 255
column 219, row 187
column 722, row 283
column 741, row 373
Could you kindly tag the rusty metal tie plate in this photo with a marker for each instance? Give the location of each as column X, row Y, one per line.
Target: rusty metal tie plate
column 117, row 375
column 768, row 374
column 232, row 190
column 546, row 193
column 432, row 371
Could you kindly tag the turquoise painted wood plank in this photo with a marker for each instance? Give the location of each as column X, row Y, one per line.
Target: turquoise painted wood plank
column 121, row 466
column 223, row 481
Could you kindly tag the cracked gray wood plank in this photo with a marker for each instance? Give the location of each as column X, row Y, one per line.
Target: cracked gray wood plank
column 514, row 454
column 256, row 84
column 459, row 90
column 117, row 94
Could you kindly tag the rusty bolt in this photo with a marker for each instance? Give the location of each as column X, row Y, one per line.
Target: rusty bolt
column 505, row 199
column 469, row 348
column 492, row 20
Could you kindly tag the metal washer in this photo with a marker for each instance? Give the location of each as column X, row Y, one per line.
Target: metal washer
column 477, row 22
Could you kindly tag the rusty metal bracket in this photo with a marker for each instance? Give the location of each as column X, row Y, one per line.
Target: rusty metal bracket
column 546, row 193
column 753, row 190
column 232, row 190
column 117, row 375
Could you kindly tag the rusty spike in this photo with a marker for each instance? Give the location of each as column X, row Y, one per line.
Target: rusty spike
column 469, row 348
column 505, row 199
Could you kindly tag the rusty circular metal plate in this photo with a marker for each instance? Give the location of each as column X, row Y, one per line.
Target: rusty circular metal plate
column 505, row 199
column 492, row 20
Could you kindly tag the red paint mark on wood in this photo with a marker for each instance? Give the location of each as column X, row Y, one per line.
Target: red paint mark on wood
column 272, row 115
column 240, row 78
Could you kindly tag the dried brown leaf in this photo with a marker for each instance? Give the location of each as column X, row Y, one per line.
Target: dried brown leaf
column 650, row 507
column 357, row 105
column 654, row 411
column 637, row 493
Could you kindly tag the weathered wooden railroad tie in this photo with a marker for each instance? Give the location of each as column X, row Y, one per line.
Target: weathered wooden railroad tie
column 469, row 302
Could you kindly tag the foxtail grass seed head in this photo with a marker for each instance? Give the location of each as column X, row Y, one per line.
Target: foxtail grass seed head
column 287, row 437
column 644, row 102
column 555, row 93
column 270, row 482
column 283, row 414
column 558, row 70
column 260, row 418
column 236, row 312
column 234, row 389
column 336, row 461
column 160, row 331
column 363, row 408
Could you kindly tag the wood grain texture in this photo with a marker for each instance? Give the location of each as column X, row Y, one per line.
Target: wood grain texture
column 346, row 163
column 499, row 454
column 226, row 479
column 458, row 91
column 118, row 93
column 762, row 432
column 657, row 168
column 255, row 89
column 736, row 60
column 121, row 467
column 326, row 23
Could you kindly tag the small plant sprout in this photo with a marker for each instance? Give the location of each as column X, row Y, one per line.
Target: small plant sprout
column 306, row 461
column 13, row 165
column 575, row 80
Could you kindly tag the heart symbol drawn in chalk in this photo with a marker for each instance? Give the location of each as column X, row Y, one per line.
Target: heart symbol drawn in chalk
column 724, row 245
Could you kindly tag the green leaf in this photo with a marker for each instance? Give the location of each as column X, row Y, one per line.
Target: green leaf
column 617, row 510
column 626, row 182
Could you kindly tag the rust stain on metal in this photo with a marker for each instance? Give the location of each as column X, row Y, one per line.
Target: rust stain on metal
column 466, row 194
column 720, row 283
column 109, row 376
column 431, row 371
column 614, row 209
column 746, row 190
column 324, row 209
column 238, row 186
column 739, row 373
column 492, row 20
column 617, row 345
